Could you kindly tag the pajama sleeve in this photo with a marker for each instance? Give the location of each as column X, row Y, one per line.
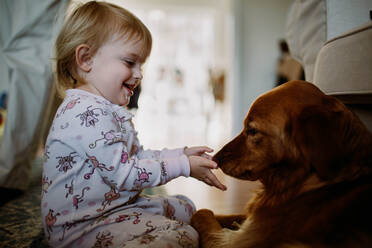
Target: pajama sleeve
column 164, row 153
column 110, row 149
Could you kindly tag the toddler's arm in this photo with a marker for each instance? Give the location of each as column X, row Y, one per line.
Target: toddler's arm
column 164, row 153
column 200, row 162
column 105, row 148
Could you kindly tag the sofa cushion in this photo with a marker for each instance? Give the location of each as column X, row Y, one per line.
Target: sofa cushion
column 344, row 66
column 311, row 23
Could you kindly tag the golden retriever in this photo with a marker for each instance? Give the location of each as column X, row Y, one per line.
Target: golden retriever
column 313, row 157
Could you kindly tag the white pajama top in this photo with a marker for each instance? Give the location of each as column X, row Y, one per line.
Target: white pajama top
column 95, row 167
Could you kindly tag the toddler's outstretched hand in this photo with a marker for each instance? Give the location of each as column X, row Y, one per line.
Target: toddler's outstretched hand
column 198, row 151
column 201, row 165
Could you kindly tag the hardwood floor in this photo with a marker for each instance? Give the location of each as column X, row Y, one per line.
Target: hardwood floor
column 233, row 200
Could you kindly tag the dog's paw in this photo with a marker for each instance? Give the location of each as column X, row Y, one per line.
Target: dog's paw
column 203, row 220
column 235, row 226
column 201, row 215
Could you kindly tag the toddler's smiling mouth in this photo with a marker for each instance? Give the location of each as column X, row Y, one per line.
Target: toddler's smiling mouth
column 129, row 87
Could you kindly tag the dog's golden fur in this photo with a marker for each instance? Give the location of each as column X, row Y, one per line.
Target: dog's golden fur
column 313, row 157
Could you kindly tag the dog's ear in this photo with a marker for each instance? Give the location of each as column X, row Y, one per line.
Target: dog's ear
column 320, row 136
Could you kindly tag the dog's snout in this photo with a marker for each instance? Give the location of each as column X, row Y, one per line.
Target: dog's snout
column 216, row 157
column 222, row 157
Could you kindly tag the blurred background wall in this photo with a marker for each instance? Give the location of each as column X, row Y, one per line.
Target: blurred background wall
column 210, row 60
column 258, row 27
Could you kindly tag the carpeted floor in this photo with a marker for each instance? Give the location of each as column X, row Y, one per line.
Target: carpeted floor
column 20, row 215
column 20, row 221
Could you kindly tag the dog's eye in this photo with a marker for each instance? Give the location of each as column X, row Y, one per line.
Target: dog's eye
column 251, row 131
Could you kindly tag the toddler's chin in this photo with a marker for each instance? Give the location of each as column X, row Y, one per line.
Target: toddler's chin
column 125, row 101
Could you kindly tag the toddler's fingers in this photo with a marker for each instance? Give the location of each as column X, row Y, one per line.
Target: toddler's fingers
column 208, row 163
column 208, row 149
column 207, row 181
column 206, row 156
column 204, row 162
column 202, row 149
column 214, row 180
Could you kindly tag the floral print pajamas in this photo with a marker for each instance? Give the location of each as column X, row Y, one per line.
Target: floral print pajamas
column 93, row 175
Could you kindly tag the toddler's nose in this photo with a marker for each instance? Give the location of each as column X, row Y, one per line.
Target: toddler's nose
column 138, row 77
column 137, row 74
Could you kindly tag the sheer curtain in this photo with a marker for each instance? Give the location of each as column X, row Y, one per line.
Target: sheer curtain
column 27, row 32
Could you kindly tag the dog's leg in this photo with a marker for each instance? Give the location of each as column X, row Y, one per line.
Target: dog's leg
column 206, row 224
column 231, row 221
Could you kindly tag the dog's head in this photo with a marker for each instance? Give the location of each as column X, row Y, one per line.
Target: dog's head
column 292, row 132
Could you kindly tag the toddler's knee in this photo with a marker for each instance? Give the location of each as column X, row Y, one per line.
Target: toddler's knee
column 189, row 204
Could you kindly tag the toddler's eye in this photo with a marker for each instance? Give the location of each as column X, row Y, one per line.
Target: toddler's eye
column 129, row 62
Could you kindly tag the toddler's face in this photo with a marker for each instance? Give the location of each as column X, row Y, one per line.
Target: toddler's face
column 116, row 71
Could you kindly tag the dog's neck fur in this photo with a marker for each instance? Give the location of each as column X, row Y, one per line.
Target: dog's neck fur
column 360, row 144
column 267, row 198
column 276, row 194
column 313, row 182
column 358, row 141
column 281, row 191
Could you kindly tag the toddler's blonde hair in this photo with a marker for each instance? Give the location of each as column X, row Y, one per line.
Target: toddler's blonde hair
column 94, row 23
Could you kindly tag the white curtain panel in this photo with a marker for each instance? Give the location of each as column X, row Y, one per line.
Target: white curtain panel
column 27, row 33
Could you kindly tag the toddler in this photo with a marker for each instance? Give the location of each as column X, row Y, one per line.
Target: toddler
column 95, row 168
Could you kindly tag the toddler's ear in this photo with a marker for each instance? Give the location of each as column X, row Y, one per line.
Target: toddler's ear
column 83, row 57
